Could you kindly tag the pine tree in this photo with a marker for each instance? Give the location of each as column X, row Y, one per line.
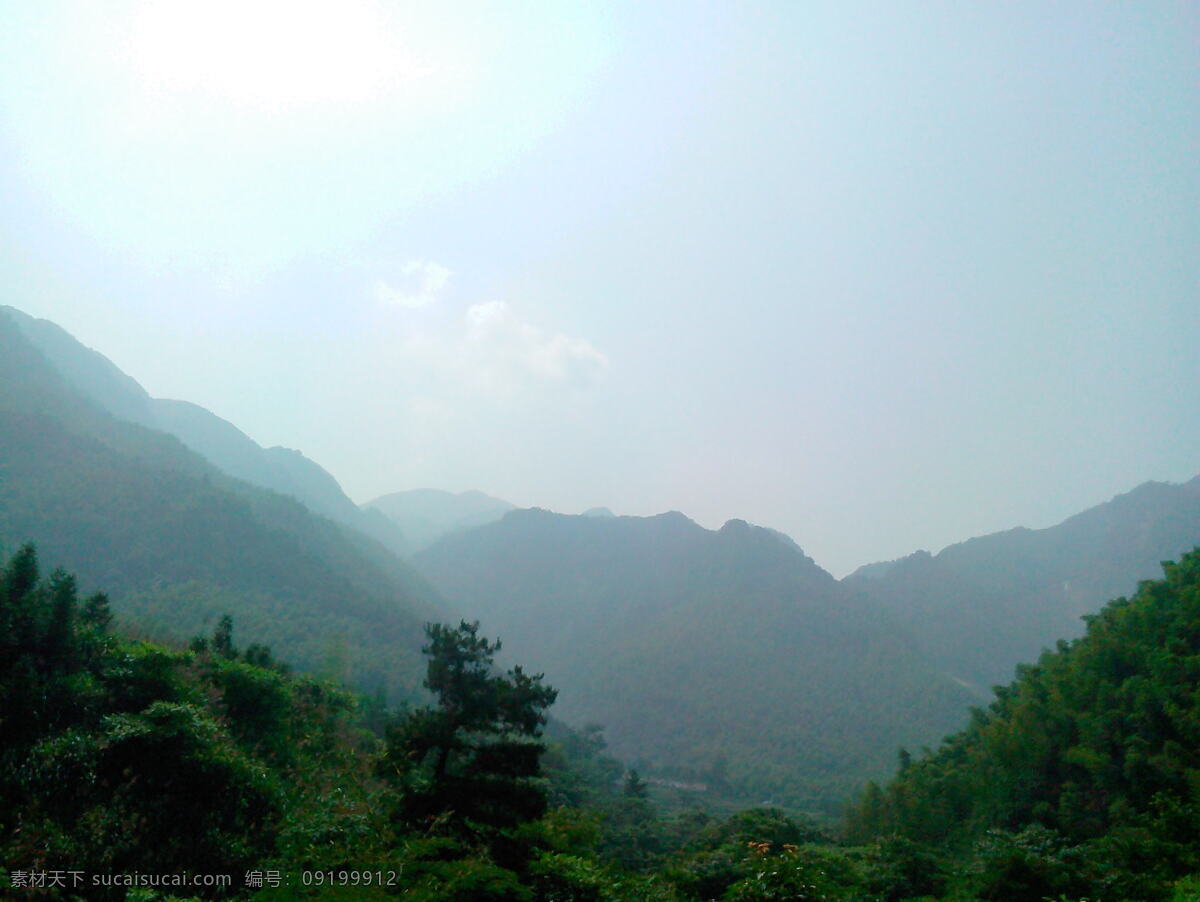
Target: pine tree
column 469, row 764
column 634, row 786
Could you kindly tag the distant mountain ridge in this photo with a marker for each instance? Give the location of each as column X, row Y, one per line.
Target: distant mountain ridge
column 982, row 606
column 698, row 649
column 425, row 515
column 633, row 617
column 178, row 542
column 223, row 444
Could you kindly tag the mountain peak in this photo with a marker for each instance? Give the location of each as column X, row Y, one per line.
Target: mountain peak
column 673, row 516
column 426, row 515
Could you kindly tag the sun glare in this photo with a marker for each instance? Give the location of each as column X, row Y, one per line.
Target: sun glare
column 277, row 53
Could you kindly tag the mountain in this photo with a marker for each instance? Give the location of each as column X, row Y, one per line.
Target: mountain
column 219, row 441
column 176, row 541
column 425, row 515
column 981, row 606
column 722, row 656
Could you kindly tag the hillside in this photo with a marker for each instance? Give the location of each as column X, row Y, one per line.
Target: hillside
column 981, row 606
column 726, row 657
column 177, row 542
column 1082, row 777
column 225, row 446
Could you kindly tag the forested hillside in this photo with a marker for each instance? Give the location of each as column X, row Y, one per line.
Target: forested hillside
column 1083, row 776
column 123, row 761
column 129, row 770
column 724, row 658
column 177, row 542
column 226, row 447
column 980, row 607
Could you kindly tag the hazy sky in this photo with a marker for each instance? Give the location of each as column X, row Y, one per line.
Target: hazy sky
column 882, row 276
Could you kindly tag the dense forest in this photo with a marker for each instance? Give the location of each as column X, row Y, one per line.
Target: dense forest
column 1082, row 776
column 123, row 757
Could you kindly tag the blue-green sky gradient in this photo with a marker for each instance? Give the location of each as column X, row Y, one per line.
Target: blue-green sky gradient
column 882, row 276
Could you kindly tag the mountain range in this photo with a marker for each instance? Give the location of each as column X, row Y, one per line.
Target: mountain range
column 980, row 607
column 731, row 653
column 725, row 657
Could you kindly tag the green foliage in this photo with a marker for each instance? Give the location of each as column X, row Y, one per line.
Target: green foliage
column 1186, row 889
column 1031, row 864
column 579, row 771
column 896, row 868
column 769, row 825
column 573, row 831
column 709, row 873
column 568, row 878
column 757, row 850
column 1080, row 782
column 633, row 837
column 1083, row 775
column 442, row 869
column 791, row 874
column 469, row 765
column 182, row 760
column 634, row 787
column 120, row 756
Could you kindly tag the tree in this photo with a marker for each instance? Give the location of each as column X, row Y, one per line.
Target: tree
column 634, row 787
column 222, row 640
column 468, row 765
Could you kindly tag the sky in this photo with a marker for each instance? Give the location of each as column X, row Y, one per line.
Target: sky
column 881, row 276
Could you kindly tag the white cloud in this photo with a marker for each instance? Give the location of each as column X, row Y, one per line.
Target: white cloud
column 423, row 282
column 500, row 351
column 494, row 354
column 482, row 396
